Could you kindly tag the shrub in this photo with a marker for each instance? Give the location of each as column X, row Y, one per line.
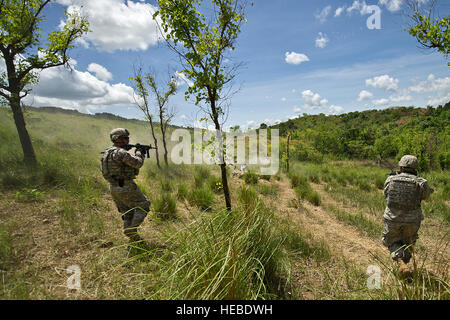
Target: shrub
column 227, row 256
column 165, row 207
column 215, row 184
column 266, row 190
column 297, row 180
column 182, row 192
column 248, row 199
column 202, row 197
column 250, row 177
column 305, row 192
column 166, row 185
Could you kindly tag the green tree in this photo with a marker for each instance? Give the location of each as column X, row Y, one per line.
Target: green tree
column 23, row 55
column 164, row 111
column 431, row 32
column 141, row 87
column 203, row 42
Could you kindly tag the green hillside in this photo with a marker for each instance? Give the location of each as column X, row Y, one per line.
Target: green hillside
column 373, row 135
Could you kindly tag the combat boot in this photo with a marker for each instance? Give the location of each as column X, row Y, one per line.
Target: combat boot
column 404, row 270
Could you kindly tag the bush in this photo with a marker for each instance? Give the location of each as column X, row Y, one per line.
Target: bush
column 304, row 191
column 250, row 177
column 166, row 185
column 202, row 197
column 227, row 256
column 165, row 207
column 248, row 199
column 182, row 192
column 215, row 184
column 297, row 180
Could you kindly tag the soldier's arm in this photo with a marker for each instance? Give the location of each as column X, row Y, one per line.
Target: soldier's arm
column 425, row 189
column 386, row 185
column 136, row 161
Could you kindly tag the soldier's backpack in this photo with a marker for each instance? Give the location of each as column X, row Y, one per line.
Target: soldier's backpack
column 403, row 193
column 108, row 174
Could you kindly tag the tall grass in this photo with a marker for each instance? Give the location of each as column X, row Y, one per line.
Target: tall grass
column 227, row 255
column 429, row 278
column 165, row 206
column 303, row 189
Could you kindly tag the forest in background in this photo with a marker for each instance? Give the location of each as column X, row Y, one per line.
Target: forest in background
column 376, row 135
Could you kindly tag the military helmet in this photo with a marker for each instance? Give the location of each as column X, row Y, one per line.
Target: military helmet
column 408, row 161
column 118, row 132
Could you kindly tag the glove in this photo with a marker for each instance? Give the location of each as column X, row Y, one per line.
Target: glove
column 138, row 153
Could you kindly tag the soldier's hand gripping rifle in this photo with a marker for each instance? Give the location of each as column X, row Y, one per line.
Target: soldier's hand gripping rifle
column 144, row 149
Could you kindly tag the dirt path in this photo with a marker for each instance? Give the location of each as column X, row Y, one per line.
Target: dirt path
column 343, row 240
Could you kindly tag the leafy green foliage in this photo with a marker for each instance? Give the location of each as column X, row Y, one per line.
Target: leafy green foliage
column 250, row 177
column 20, row 42
column 204, row 41
column 378, row 135
column 432, row 33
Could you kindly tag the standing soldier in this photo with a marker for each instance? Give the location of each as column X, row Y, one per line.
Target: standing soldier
column 404, row 192
column 120, row 168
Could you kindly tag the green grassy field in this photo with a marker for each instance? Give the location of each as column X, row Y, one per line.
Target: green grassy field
column 309, row 234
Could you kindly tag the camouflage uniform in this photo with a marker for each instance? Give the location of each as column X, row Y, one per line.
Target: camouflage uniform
column 120, row 168
column 403, row 215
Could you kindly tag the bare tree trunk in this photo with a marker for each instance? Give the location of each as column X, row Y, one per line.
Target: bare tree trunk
column 155, row 141
column 223, row 165
column 163, row 132
column 27, row 146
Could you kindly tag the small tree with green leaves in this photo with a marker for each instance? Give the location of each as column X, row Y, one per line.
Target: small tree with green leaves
column 24, row 54
column 431, row 32
column 165, row 113
column 141, row 87
column 202, row 43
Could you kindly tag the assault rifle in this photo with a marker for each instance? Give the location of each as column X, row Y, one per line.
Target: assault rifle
column 144, row 149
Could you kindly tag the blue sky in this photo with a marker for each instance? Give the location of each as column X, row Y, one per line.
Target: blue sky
column 300, row 56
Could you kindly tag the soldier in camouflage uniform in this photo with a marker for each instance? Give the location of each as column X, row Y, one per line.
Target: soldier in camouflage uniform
column 404, row 192
column 120, row 168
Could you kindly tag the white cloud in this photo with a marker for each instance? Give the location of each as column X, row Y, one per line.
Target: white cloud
column 100, row 72
column 117, row 24
column 362, row 7
column 295, row 58
column 339, row 11
column 432, row 85
column 365, row 95
column 78, row 90
column 380, row 102
column 439, row 87
column 335, row 110
column 182, row 79
column 383, row 82
column 321, row 40
column 438, row 100
column 313, row 100
column 400, row 98
column 392, row 5
column 283, row 99
column 322, row 16
column 296, row 109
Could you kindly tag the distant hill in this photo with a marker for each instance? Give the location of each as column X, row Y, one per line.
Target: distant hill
column 103, row 115
column 374, row 135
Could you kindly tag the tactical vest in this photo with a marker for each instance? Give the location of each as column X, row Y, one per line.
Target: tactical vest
column 403, row 193
column 114, row 171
